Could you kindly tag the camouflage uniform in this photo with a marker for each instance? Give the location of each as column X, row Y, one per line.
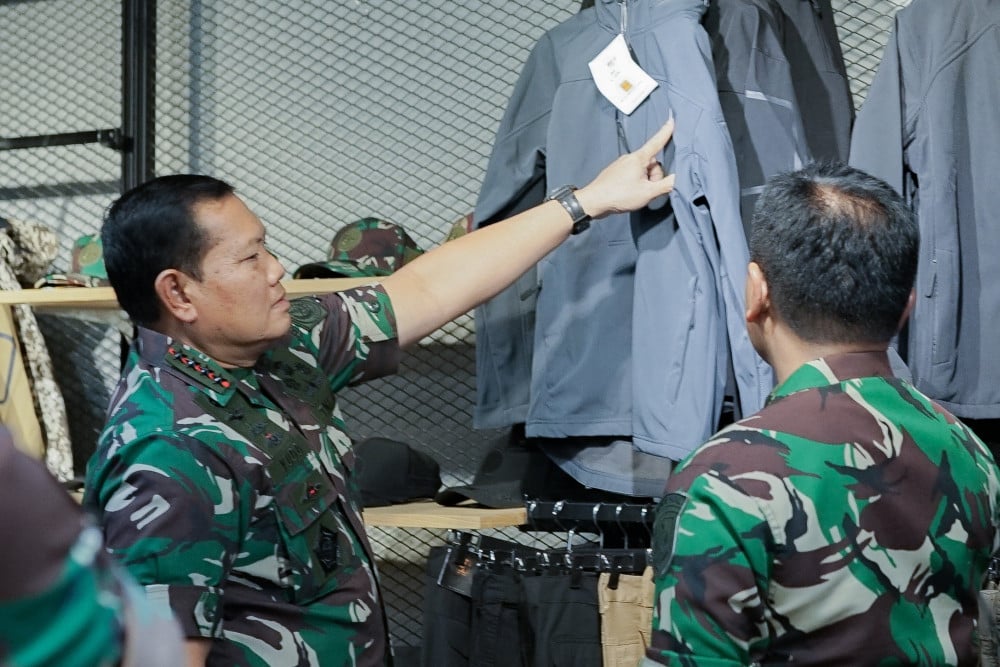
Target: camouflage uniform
column 63, row 600
column 849, row 522
column 229, row 493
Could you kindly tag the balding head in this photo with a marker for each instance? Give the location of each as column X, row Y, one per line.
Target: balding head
column 838, row 249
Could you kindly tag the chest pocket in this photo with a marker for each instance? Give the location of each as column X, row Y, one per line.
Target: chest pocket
column 314, row 538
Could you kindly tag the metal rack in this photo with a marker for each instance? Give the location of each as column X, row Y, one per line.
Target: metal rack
column 134, row 139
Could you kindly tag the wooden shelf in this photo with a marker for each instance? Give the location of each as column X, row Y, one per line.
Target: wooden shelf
column 427, row 514
column 103, row 298
column 91, row 303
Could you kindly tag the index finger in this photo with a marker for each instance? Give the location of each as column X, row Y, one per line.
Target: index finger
column 656, row 142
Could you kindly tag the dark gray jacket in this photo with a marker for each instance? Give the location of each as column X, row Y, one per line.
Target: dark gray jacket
column 782, row 86
column 638, row 318
column 930, row 128
column 810, row 43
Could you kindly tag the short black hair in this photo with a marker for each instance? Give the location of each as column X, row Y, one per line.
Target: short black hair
column 151, row 228
column 838, row 248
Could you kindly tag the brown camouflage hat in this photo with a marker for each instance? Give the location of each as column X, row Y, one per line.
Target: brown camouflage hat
column 363, row 249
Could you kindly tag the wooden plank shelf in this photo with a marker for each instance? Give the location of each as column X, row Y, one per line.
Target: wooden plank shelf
column 103, row 298
column 427, row 514
column 99, row 304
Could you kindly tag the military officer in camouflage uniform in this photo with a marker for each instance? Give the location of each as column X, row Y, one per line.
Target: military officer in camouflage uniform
column 223, row 478
column 851, row 520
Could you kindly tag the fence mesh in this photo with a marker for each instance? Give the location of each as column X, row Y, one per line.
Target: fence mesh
column 320, row 113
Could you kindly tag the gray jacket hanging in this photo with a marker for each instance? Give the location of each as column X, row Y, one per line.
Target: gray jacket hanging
column 811, row 46
column 637, row 319
column 930, row 128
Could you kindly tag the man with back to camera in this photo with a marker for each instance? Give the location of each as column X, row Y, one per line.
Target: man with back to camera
column 223, row 476
column 851, row 520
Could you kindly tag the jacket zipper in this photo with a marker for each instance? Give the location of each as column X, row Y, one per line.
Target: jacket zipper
column 623, row 146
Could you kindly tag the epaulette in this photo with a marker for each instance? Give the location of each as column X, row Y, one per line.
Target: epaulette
column 198, row 368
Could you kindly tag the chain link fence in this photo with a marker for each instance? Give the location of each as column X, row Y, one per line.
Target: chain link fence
column 320, row 113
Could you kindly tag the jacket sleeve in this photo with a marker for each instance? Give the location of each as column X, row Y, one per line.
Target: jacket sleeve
column 715, row 218
column 710, row 572
column 757, row 94
column 514, row 182
column 877, row 139
column 517, row 163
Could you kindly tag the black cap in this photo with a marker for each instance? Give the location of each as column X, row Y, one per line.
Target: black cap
column 391, row 472
column 511, row 472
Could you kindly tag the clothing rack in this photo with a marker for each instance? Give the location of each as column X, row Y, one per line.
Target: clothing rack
column 468, row 550
column 615, row 524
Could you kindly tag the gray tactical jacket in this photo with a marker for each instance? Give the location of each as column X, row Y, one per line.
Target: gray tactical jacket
column 929, row 127
column 638, row 318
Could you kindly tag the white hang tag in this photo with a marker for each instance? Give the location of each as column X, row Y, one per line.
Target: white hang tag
column 619, row 78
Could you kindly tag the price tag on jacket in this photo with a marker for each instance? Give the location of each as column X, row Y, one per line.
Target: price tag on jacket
column 619, row 77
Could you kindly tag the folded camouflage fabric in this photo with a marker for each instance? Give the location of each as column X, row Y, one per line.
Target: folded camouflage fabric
column 34, row 248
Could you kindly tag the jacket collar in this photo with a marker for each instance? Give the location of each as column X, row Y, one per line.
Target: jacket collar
column 643, row 15
column 193, row 366
column 832, row 370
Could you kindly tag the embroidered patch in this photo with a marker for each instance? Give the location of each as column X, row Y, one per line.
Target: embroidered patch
column 326, row 550
column 668, row 513
column 306, row 313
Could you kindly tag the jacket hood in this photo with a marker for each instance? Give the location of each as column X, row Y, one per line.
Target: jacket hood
column 644, row 14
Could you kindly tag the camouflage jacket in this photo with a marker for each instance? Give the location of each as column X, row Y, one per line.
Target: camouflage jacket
column 63, row 600
column 229, row 493
column 849, row 522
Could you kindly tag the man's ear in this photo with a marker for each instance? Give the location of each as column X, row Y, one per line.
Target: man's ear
column 910, row 301
column 757, row 294
column 171, row 286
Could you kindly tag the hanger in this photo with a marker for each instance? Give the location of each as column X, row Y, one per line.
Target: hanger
column 646, row 525
column 571, row 531
column 618, row 522
column 597, row 525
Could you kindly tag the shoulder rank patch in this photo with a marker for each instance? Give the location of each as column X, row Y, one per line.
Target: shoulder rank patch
column 306, row 312
column 668, row 513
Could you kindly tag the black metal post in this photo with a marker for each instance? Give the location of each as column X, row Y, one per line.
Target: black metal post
column 138, row 90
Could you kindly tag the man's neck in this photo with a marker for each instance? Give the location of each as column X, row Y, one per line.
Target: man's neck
column 788, row 352
column 227, row 356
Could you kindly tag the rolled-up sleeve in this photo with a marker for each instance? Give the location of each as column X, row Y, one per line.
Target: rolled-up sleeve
column 357, row 340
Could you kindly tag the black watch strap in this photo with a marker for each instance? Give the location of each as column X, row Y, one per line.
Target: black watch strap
column 566, row 195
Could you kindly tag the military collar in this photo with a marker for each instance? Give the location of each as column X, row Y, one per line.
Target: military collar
column 197, row 368
column 832, row 370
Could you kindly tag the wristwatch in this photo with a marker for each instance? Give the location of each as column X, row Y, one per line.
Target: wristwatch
column 566, row 195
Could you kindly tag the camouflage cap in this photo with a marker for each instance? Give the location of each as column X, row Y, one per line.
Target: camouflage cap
column 365, row 248
column 88, row 257
column 86, row 268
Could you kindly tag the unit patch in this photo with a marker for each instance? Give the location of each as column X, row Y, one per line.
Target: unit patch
column 668, row 513
column 306, row 313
